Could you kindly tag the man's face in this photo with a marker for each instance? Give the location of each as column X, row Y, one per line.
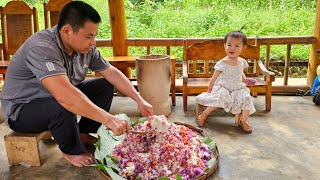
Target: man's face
column 83, row 40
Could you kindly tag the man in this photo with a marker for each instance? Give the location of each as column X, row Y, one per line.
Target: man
column 45, row 86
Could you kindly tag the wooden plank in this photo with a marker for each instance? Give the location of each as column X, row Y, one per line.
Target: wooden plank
column 289, row 89
column 19, row 29
column 275, row 40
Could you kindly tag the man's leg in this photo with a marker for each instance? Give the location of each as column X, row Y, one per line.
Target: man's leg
column 100, row 92
column 47, row 114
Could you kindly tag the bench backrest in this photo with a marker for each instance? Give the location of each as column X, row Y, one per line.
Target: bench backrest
column 201, row 58
column 52, row 10
column 18, row 22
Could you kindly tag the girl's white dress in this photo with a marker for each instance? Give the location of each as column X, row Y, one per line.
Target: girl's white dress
column 229, row 92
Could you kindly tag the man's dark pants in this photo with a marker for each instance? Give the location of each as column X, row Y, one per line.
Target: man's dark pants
column 47, row 114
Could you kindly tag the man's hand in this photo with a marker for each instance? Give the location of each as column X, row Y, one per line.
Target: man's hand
column 118, row 126
column 145, row 108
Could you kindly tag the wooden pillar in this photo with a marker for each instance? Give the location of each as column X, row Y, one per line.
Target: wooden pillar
column 314, row 56
column 119, row 30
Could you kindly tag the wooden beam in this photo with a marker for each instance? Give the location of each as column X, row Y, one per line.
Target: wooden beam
column 276, row 40
column 314, row 56
column 118, row 27
column 119, row 30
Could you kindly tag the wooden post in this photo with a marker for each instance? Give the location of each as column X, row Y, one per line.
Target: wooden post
column 119, row 30
column 287, row 65
column 314, row 56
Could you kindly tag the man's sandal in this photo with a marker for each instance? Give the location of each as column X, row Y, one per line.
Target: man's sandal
column 245, row 127
column 200, row 120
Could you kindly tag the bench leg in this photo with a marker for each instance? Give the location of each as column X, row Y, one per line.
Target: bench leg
column 23, row 151
column 237, row 119
column 268, row 98
column 185, row 103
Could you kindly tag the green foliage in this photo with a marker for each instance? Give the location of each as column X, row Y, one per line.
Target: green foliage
column 205, row 19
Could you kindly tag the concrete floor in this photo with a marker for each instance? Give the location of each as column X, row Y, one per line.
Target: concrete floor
column 284, row 144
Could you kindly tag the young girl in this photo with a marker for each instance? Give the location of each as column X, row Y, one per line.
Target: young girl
column 227, row 88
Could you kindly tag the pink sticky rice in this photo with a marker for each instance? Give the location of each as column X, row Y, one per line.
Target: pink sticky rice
column 165, row 151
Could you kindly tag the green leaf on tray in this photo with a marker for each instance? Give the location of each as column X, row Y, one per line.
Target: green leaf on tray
column 108, row 171
column 140, row 120
column 178, row 177
column 211, row 162
column 98, row 143
column 107, row 143
column 114, row 160
column 212, row 146
column 211, row 143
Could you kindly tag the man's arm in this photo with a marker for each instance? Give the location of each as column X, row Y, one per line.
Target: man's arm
column 76, row 102
column 122, row 83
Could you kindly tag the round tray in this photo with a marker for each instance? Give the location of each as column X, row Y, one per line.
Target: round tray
column 200, row 132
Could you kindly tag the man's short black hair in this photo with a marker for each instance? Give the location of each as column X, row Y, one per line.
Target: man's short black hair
column 76, row 13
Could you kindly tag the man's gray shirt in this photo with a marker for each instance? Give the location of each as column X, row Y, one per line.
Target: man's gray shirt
column 41, row 56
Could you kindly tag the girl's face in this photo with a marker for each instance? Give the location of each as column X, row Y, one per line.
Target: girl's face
column 233, row 47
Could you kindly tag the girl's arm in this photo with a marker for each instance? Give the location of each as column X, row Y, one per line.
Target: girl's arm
column 244, row 78
column 214, row 77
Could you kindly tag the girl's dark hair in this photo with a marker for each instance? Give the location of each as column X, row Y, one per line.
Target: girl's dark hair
column 76, row 13
column 237, row 34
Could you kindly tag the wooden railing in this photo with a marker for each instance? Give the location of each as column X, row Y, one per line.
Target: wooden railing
column 288, row 41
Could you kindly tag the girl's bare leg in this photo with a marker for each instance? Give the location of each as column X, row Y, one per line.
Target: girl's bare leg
column 201, row 118
column 244, row 121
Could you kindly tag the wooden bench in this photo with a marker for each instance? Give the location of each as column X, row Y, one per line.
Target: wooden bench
column 204, row 55
column 24, row 147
